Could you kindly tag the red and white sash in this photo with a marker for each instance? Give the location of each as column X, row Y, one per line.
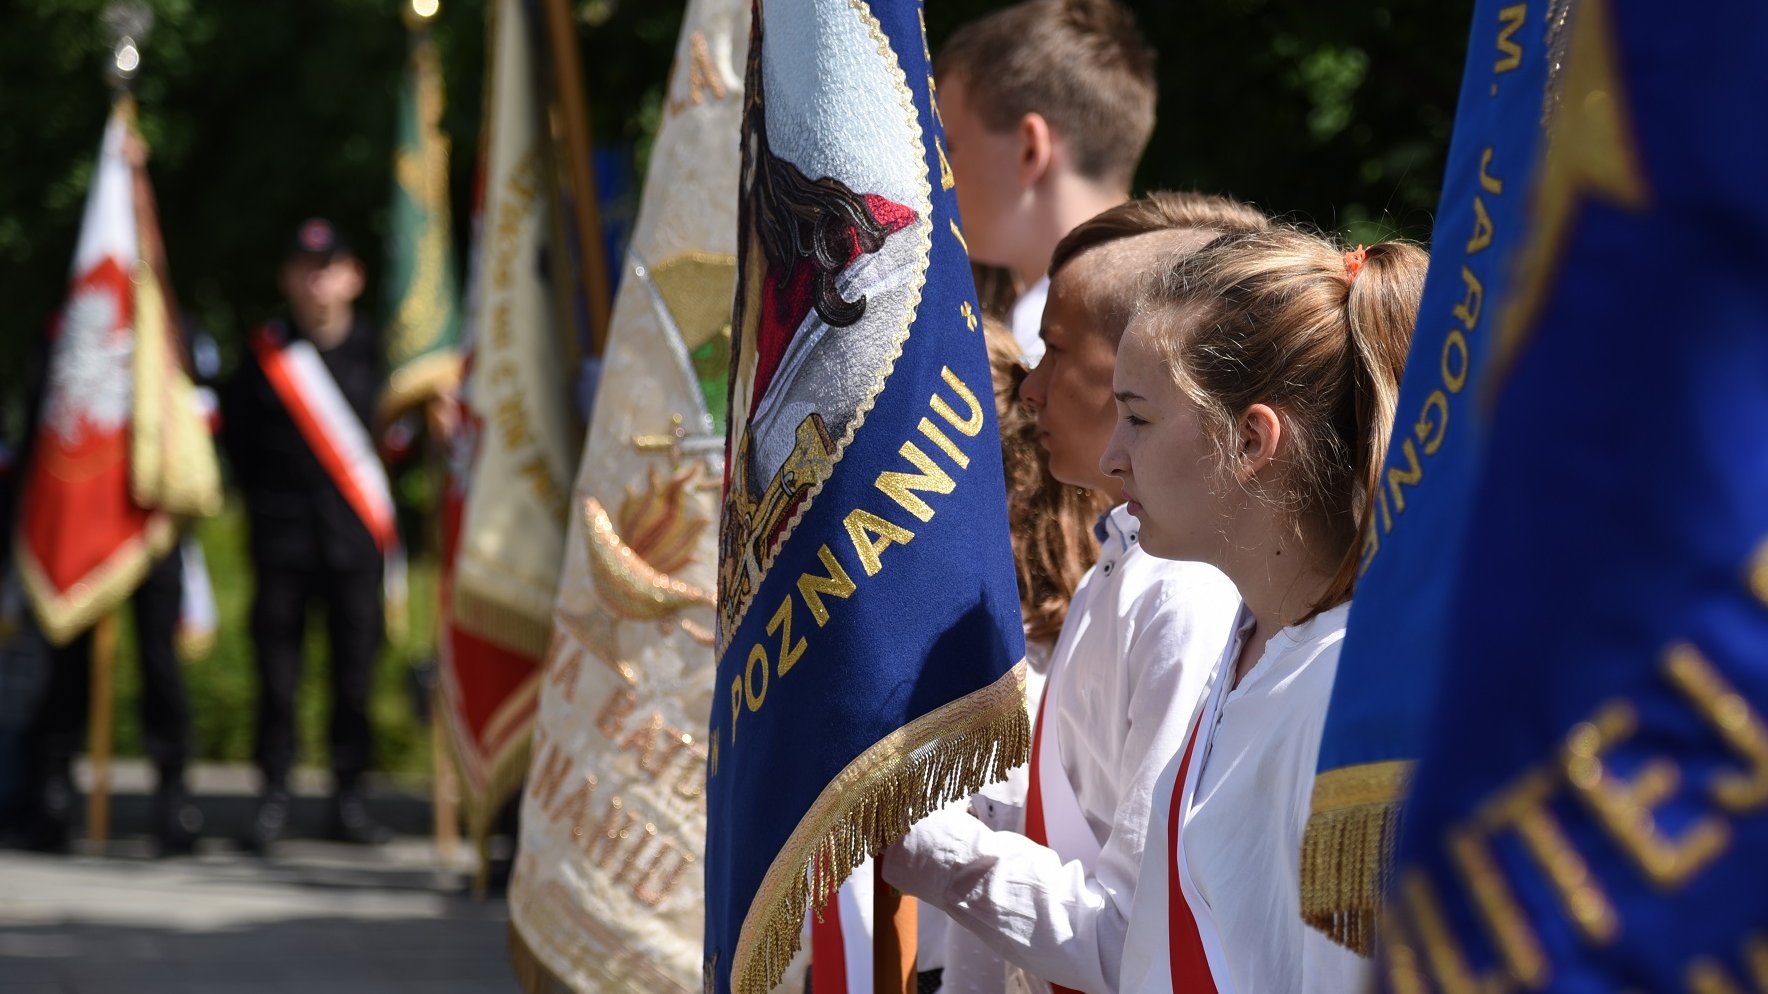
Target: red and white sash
column 1051, row 808
column 841, row 941
column 1198, row 962
column 1053, row 815
column 330, row 428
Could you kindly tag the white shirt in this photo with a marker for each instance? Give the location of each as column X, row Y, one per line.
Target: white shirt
column 1140, row 639
column 1028, row 317
column 969, row 965
column 1241, row 838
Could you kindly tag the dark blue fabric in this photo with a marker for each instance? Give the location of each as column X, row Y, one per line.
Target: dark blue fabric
column 1623, row 494
column 1395, row 644
column 938, row 621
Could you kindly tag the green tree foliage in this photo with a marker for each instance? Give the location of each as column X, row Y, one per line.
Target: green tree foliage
column 265, row 112
column 1333, row 112
column 258, row 114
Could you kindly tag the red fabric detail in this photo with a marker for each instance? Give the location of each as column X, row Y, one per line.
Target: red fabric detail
column 892, row 215
column 76, row 512
column 377, row 518
column 784, row 304
column 1034, row 800
column 1184, row 944
column 485, row 675
column 1034, row 794
column 783, row 308
column 488, row 676
column 828, row 950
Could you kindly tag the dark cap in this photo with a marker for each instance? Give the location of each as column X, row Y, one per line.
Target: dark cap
column 319, row 240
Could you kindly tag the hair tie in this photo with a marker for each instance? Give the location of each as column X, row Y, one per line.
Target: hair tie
column 1353, row 261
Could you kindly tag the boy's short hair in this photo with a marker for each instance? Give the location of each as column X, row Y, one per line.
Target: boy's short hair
column 1170, row 224
column 1081, row 64
column 1160, row 210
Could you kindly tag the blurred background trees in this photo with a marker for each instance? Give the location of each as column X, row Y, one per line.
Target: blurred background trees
column 264, row 112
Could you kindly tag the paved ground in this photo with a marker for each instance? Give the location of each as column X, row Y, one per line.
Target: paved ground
column 320, row 917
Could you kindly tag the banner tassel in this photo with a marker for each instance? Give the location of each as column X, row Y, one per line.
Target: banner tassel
column 1347, row 853
column 878, row 813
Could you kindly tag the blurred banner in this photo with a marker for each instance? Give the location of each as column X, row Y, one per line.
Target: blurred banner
column 122, row 445
column 423, row 327
column 504, row 512
column 607, row 891
column 868, row 614
column 1399, row 619
column 1590, row 811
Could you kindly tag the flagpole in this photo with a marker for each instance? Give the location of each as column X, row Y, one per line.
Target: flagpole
column 104, row 654
column 567, row 77
column 895, row 919
column 128, row 21
column 444, row 792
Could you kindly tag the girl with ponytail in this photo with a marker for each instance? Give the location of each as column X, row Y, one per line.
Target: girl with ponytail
column 1255, row 392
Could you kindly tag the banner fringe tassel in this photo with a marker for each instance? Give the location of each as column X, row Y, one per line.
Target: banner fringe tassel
column 875, row 813
column 531, row 974
column 1347, row 853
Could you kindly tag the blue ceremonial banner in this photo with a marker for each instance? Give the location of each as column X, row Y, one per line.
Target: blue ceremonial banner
column 1399, row 633
column 869, row 635
column 1591, row 810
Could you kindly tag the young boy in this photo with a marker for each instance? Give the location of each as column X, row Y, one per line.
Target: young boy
column 1049, row 889
column 1047, row 107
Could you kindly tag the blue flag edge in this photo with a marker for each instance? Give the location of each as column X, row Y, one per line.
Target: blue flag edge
column 941, row 757
column 1351, row 842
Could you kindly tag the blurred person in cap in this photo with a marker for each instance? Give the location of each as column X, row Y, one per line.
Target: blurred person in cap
column 296, row 425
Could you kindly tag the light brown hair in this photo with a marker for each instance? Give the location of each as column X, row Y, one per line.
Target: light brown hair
column 1081, row 64
column 1189, row 220
column 1051, row 522
column 1279, row 318
column 996, row 290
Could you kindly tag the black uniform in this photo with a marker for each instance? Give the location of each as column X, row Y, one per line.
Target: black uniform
column 58, row 729
column 307, row 544
column 59, row 733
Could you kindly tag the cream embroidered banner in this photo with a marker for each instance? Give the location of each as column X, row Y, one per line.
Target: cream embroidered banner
column 513, row 533
column 607, row 890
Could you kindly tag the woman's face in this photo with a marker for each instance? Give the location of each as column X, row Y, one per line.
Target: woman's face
column 1160, row 451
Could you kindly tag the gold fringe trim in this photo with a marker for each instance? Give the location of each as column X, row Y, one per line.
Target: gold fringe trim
column 577, row 950
column 500, row 624
column 508, row 771
column 941, row 757
column 1347, row 853
column 531, row 973
column 418, row 380
column 62, row 616
column 479, row 808
column 172, row 462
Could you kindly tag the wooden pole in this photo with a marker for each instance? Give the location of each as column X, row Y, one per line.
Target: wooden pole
column 104, row 654
column 893, row 941
column 567, row 77
column 445, row 792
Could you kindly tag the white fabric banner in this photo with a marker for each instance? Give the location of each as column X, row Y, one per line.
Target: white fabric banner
column 607, row 893
column 517, row 497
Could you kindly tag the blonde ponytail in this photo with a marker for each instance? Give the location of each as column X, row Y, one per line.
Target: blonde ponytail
column 1381, row 307
column 1282, row 317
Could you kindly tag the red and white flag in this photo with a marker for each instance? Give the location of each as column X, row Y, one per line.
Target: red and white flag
column 84, row 543
column 503, row 516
